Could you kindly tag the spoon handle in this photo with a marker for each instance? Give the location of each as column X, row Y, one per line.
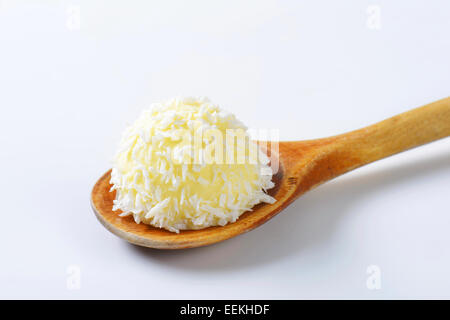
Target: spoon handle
column 318, row 161
column 399, row 133
column 383, row 139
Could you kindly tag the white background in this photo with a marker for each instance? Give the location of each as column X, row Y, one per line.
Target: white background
column 308, row 68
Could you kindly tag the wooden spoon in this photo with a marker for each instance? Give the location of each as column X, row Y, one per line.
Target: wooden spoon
column 303, row 166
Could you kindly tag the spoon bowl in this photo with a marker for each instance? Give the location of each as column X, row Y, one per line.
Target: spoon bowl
column 149, row 236
column 303, row 165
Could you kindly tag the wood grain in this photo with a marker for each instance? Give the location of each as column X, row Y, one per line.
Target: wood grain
column 303, row 166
